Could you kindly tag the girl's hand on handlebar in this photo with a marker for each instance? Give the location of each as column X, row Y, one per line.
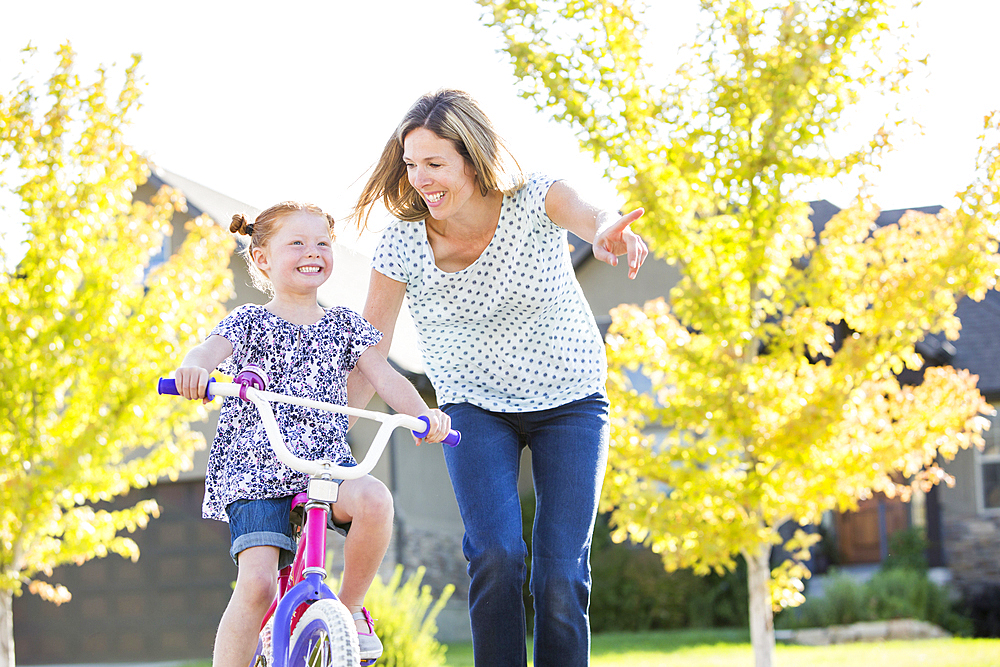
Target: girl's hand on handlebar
column 440, row 424
column 192, row 382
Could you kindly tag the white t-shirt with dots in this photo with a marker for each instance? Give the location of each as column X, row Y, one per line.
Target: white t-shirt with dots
column 513, row 331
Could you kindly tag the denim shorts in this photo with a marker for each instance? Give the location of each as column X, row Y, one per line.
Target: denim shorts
column 262, row 523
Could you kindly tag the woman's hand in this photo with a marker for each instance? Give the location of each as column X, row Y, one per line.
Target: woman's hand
column 619, row 239
column 440, row 424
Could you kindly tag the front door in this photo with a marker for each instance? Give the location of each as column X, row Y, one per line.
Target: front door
column 863, row 536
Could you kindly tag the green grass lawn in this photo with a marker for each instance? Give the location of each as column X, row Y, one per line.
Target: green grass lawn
column 731, row 648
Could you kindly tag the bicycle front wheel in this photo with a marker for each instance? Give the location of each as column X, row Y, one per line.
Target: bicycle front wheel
column 325, row 637
column 264, row 657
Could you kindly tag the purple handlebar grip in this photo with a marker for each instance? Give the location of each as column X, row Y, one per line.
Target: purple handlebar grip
column 453, row 437
column 169, row 386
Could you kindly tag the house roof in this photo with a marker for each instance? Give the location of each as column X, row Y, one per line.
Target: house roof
column 348, row 286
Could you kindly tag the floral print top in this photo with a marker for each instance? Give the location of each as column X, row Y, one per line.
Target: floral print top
column 310, row 361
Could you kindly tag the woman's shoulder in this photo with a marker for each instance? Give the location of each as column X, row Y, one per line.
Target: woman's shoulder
column 536, row 186
column 404, row 228
column 530, row 199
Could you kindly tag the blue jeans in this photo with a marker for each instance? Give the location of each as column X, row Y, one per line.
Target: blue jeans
column 569, row 452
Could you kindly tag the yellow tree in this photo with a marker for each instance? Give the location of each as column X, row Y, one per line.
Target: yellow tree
column 85, row 331
column 773, row 367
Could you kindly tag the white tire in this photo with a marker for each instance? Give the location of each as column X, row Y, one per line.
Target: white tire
column 325, row 636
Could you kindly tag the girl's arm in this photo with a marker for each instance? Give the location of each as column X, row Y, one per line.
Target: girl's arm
column 610, row 233
column 385, row 298
column 199, row 362
column 401, row 396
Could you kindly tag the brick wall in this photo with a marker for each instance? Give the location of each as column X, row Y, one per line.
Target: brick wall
column 972, row 549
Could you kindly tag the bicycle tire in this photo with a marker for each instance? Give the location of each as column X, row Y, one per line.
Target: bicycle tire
column 325, row 637
column 264, row 656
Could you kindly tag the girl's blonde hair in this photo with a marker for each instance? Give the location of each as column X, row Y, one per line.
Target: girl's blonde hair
column 261, row 230
column 452, row 115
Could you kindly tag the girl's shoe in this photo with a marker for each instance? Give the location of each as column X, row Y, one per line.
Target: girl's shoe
column 371, row 647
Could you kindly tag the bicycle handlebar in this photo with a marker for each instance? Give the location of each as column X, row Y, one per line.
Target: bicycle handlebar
column 419, row 426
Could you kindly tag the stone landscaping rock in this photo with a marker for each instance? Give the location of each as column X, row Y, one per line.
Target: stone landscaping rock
column 873, row 631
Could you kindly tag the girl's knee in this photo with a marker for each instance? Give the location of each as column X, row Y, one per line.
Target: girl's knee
column 257, row 581
column 256, row 591
column 373, row 502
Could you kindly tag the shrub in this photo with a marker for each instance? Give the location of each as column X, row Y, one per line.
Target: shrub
column 896, row 592
column 984, row 610
column 907, row 550
column 406, row 616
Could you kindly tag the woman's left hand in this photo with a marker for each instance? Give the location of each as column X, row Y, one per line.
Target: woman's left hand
column 619, row 239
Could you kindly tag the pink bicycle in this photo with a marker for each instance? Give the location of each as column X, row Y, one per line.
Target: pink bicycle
column 315, row 628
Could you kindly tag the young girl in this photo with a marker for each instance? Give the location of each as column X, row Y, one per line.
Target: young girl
column 305, row 351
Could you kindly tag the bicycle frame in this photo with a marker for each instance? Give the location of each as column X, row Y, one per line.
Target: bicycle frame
column 303, row 581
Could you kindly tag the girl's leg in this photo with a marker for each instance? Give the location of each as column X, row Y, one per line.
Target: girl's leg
column 256, row 586
column 484, row 471
column 569, row 450
column 367, row 505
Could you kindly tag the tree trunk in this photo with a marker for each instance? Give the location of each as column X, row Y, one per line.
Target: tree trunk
column 761, row 615
column 6, row 629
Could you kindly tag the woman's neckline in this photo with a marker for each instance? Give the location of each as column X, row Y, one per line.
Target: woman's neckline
column 493, row 236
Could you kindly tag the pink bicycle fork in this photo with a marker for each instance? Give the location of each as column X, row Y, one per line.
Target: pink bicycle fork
column 309, row 570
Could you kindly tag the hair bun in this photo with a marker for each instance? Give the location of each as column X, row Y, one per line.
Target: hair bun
column 240, row 225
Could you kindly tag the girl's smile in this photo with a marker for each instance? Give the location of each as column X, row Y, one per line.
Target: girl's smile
column 298, row 257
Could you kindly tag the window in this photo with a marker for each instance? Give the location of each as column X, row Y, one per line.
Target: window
column 989, row 468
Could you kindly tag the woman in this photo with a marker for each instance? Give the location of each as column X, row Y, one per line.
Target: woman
column 479, row 251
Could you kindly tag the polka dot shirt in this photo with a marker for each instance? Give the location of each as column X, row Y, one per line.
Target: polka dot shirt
column 513, row 331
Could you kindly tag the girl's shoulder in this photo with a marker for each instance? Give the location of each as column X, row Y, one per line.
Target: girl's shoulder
column 249, row 313
column 342, row 316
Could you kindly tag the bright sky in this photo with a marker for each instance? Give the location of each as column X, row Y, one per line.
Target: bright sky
column 272, row 101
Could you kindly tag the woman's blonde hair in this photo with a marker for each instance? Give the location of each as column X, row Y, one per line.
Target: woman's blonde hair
column 261, row 230
column 452, row 115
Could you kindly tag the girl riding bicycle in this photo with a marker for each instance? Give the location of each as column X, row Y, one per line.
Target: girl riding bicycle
column 307, row 351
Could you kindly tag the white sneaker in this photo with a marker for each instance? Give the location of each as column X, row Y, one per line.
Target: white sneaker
column 371, row 647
